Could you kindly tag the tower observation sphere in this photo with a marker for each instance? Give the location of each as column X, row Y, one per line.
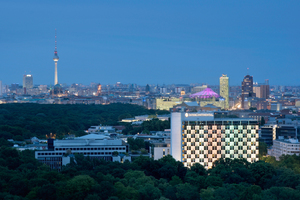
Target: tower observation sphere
column 55, row 57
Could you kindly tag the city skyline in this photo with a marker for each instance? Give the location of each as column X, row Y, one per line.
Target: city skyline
column 151, row 43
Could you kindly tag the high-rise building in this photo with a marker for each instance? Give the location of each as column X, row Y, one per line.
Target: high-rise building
column 247, row 89
column 224, row 89
column 55, row 59
column 201, row 138
column 27, row 81
column 14, row 86
column 262, row 90
column 99, row 89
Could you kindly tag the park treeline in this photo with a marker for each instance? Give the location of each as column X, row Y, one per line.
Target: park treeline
column 23, row 177
column 23, row 121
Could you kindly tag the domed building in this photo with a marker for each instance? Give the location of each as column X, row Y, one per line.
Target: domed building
column 57, row 91
column 208, row 96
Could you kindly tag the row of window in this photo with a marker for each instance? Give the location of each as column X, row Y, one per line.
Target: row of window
column 222, row 140
column 206, row 144
column 84, row 153
column 202, row 152
column 90, row 149
column 50, row 159
column 185, row 134
column 219, row 123
column 193, row 132
column 241, row 147
column 209, row 127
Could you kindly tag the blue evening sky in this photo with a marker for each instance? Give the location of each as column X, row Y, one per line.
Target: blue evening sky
column 155, row 42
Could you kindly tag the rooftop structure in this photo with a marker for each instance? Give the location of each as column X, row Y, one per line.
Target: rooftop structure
column 205, row 94
column 101, row 129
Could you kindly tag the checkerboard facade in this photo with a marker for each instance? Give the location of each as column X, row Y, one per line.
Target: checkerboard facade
column 207, row 141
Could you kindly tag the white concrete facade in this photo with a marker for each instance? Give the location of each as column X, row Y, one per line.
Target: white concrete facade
column 199, row 138
column 160, row 152
column 100, row 149
column 284, row 147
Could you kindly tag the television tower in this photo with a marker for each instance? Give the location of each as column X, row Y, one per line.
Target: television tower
column 55, row 58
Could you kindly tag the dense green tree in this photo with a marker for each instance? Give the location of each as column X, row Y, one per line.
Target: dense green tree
column 80, row 183
column 262, row 121
column 170, row 192
column 213, row 181
column 18, row 186
column 149, row 192
column 252, row 192
column 175, row 181
column 135, row 144
column 123, row 192
column 263, row 149
column 187, row 191
column 207, row 194
column 25, row 121
column 262, row 172
column 47, row 192
column 5, row 143
column 199, row 169
column 280, row 193
column 195, row 179
column 227, row 192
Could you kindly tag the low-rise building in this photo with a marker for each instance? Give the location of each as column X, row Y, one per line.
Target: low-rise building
column 160, row 150
column 58, row 150
column 101, row 129
column 284, row 147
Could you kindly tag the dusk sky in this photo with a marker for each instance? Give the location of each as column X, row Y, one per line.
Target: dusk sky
column 154, row 42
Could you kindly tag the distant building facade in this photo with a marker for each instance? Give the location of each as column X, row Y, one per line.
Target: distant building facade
column 247, row 89
column 262, row 90
column 224, row 89
column 166, row 103
column 28, row 81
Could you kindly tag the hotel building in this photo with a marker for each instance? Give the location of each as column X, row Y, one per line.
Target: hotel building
column 201, row 138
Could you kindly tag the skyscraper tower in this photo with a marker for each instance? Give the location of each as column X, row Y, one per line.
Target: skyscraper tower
column 224, row 89
column 247, row 89
column 55, row 58
column 28, row 81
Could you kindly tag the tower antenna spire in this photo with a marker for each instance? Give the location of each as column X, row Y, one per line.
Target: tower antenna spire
column 55, row 42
